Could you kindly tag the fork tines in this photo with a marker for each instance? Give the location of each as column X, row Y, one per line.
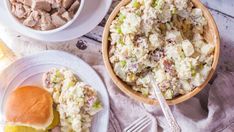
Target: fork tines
column 138, row 125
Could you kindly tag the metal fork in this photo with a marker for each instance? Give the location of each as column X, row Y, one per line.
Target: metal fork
column 139, row 124
column 164, row 106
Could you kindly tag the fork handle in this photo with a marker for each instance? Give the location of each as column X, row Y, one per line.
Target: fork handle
column 166, row 110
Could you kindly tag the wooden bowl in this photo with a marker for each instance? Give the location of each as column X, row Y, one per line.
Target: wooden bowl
column 211, row 35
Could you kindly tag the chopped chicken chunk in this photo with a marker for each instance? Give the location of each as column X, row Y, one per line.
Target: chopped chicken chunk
column 27, row 10
column 28, row 2
column 46, row 22
column 41, row 5
column 56, row 4
column 44, row 14
column 19, row 1
column 67, row 3
column 67, row 16
column 32, row 20
column 24, row 2
column 18, row 10
column 74, row 6
column 57, row 20
column 61, row 10
column 13, row 1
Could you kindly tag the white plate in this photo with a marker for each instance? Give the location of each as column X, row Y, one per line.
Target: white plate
column 29, row 70
column 91, row 15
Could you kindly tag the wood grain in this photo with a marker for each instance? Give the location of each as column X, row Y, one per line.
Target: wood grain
column 211, row 35
column 222, row 6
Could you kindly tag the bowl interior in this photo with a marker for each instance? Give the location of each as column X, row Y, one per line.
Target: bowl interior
column 211, row 35
column 18, row 23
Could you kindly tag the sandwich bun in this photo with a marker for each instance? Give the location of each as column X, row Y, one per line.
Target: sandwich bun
column 29, row 106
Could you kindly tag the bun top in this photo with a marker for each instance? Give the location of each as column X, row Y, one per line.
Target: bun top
column 29, row 106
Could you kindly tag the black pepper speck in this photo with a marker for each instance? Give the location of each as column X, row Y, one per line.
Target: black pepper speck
column 81, row 44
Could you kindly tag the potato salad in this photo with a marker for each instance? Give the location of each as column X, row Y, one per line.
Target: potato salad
column 75, row 101
column 163, row 38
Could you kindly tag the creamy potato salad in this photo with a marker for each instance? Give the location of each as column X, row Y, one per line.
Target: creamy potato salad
column 163, row 38
column 76, row 101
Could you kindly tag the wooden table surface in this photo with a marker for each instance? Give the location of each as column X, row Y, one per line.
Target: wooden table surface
column 222, row 11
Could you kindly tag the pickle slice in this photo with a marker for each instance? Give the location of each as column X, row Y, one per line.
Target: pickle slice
column 55, row 122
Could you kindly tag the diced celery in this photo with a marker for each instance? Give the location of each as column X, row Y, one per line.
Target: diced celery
column 157, row 4
column 145, row 91
column 123, row 63
column 182, row 55
column 119, row 31
column 168, row 94
column 57, row 77
column 173, row 11
column 201, row 66
column 57, row 73
column 121, row 18
column 168, row 26
column 130, row 77
column 53, row 79
column 70, row 84
column 136, row 4
column 138, row 13
column 154, row 3
column 69, row 119
column 121, row 42
column 193, row 72
column 143, row 2
column 97, row 105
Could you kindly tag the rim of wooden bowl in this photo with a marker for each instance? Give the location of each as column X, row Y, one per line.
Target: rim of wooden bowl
column 214, row 38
